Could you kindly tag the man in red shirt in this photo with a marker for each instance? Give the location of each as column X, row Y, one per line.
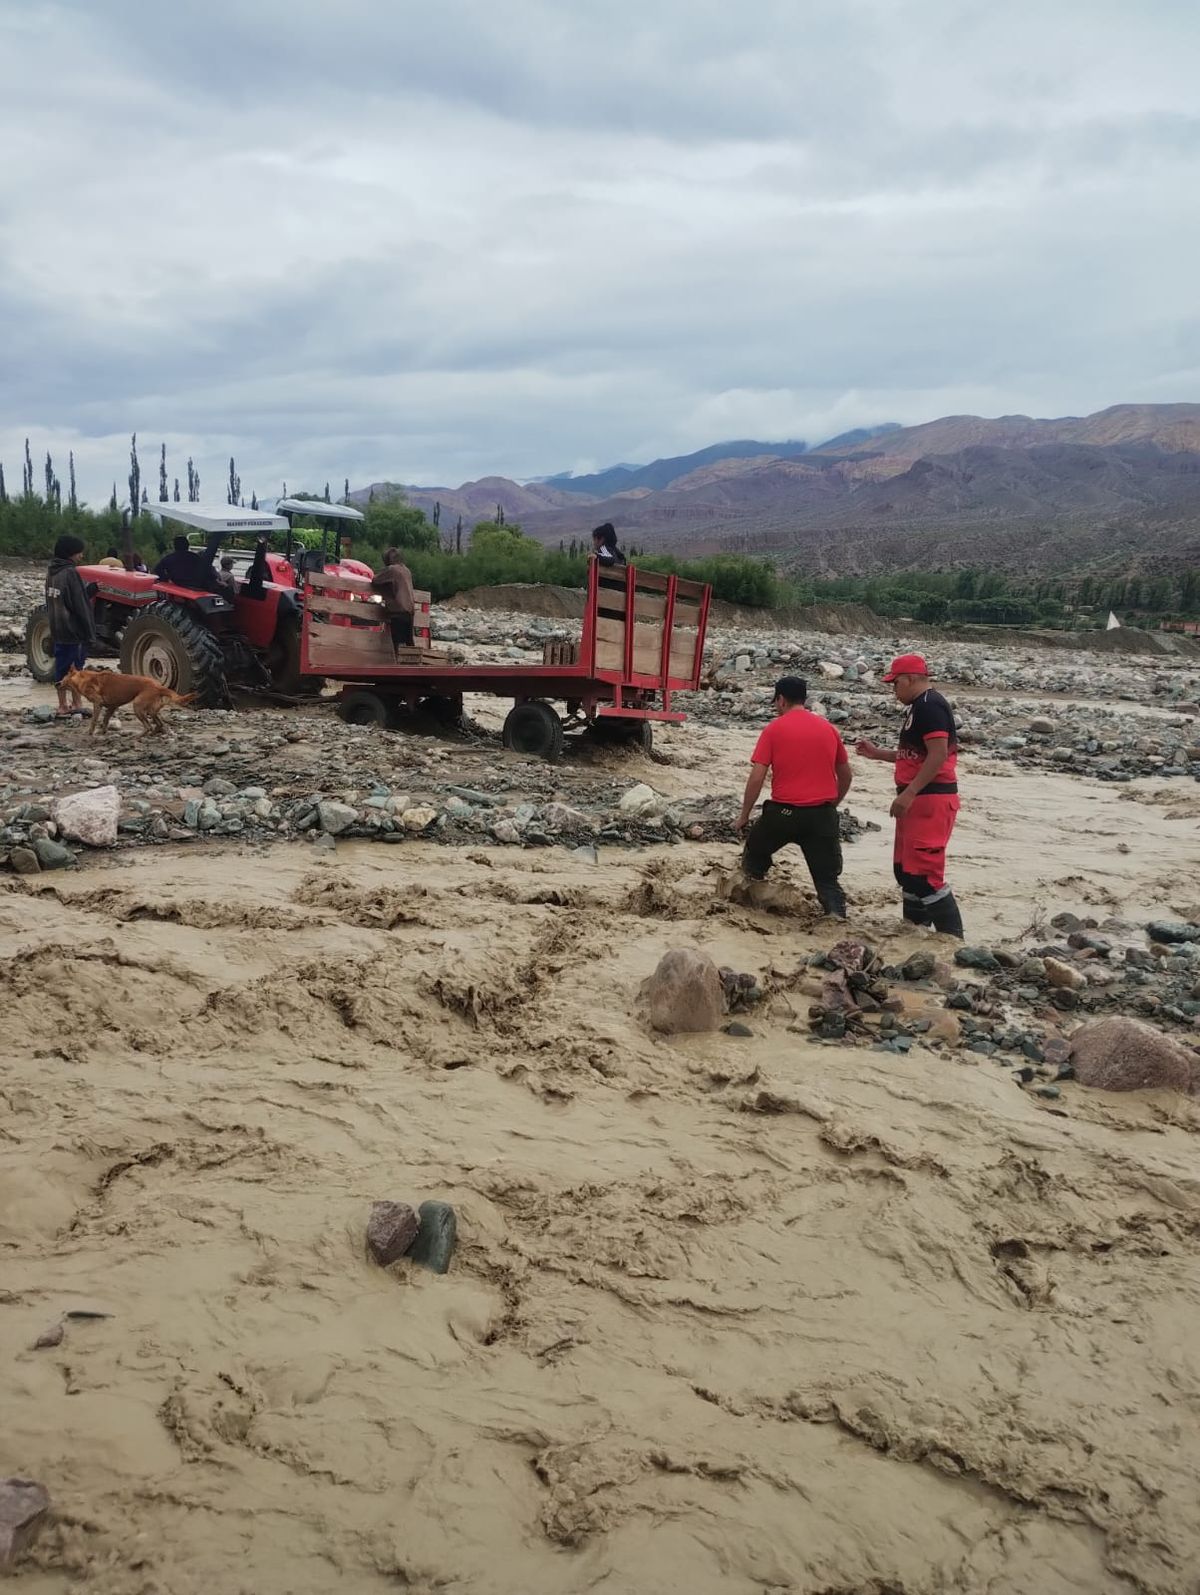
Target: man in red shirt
column 926, row 803
column 810, row 775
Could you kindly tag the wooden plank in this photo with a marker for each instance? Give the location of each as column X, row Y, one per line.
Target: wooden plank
column 371, row 613
column 647, row 658
column 610, row 655
column 652, row 579
column 644, row 636
column 351, row 641
column 683, row 655
column 692, row 591
column 322, row 582
column 650, row 606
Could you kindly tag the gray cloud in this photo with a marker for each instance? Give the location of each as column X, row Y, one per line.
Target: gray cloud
column 360, row 241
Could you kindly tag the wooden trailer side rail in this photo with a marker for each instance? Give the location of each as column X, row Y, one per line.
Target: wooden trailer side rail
column 643, row 634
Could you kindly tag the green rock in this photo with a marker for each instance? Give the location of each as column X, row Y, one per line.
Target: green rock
column 434, row 1245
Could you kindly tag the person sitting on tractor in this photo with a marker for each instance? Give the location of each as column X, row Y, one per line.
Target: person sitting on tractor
column 395, row 584
column 112, row 560
column 225, row 577
column 184, row 567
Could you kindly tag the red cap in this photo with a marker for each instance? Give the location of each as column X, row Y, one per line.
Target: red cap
column 907, row 665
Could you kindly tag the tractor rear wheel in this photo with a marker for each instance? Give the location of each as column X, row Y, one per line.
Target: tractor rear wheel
column 165, row 643
column 39, row 646
column 534, row 729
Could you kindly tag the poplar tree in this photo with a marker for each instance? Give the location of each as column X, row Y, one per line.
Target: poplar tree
column 72, row 496
column 177, row 490
column 135, row 480
column 235, row 483
column 49, row 481
column 163, row 495
column 27, row 487
column 3, row 488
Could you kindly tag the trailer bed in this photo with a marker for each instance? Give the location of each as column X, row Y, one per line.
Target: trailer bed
column 642, row 640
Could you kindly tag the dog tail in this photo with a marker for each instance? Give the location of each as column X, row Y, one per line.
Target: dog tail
column 176, row 698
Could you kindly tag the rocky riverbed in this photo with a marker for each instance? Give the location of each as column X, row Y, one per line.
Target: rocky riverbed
column 884, row 1282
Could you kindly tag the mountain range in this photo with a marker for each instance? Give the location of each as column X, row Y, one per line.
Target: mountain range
column 1117, row 491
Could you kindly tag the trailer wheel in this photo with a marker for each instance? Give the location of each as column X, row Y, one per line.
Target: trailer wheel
column 164, row 642
column 534, row 729
column 39, row 647
column 364, row 709
column 444, row 708
column 614, row 732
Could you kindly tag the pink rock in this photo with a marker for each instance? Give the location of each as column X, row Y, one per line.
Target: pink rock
column 90, row 817
column 23, row 1508
column 391, row 1230
column 1123, row 1055
column 684, row 993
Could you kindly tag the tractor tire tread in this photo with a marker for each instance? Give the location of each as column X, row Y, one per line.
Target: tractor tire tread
column 204, row 656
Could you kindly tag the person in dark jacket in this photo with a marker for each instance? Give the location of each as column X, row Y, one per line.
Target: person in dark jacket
column 184, row 567
column 72, row 626
column 604, row 545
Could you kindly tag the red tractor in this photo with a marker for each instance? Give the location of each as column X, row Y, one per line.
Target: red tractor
column 200, row 634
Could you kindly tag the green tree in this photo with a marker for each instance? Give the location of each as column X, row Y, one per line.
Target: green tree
column 163, row 496
column 72, row 496
column 135, row 480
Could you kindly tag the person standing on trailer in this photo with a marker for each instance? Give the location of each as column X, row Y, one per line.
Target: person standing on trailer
column 395, row 585
column 810, row 775
column 926, row 803
column 604, row 545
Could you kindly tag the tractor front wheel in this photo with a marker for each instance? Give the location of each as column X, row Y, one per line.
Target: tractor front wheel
column 39, row 645
column 165, row 643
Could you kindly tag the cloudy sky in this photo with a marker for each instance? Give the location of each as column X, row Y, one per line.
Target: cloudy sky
column 378, row 239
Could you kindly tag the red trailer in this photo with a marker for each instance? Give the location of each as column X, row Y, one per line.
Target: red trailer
column 642, row 640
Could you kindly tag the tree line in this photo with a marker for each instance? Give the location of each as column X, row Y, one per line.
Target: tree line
column 449, row 560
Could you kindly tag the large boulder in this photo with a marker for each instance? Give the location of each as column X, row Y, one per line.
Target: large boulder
column 684, row 994
column 642, row 802
column 335, row 817
column 1123, row 1055
column 90, row 817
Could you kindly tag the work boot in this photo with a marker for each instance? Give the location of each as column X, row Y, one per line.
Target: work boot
column 915, row 911
column 833, row 901
column 945, row 917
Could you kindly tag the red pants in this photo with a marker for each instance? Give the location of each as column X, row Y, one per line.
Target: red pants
column 922, row 836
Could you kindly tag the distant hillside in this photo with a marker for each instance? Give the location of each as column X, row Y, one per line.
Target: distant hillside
column 1118, row 490
column 474, row 501
column 661, row 473
column 1173, row 427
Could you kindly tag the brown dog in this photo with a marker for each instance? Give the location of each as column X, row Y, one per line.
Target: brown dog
column 108, row 690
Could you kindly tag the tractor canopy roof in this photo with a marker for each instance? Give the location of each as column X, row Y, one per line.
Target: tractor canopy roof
column 224, row 520
column 318, row 509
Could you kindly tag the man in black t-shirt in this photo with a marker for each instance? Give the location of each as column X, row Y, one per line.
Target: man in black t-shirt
column 926, row 802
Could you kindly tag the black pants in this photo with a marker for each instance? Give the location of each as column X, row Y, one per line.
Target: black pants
column 815, row 832
column 402, row 631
